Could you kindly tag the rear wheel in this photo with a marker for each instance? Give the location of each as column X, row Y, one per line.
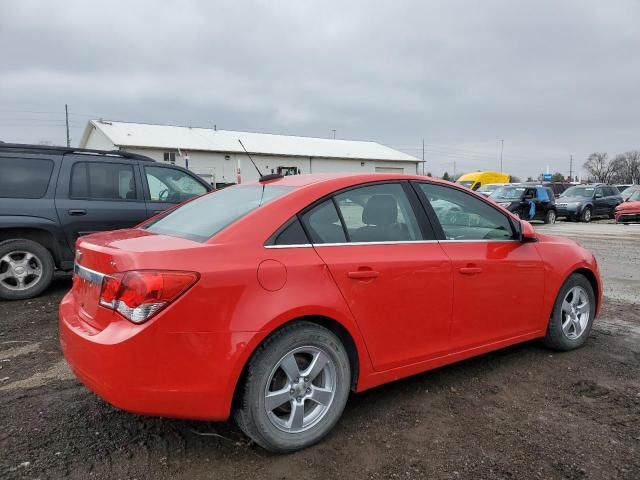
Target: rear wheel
column 296, row 388
column 586, row 215
column 550, row 217
column 572, row 316
column 26, row 269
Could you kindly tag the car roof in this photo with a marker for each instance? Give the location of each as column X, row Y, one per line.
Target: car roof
column 353, row 178
column 28, row 148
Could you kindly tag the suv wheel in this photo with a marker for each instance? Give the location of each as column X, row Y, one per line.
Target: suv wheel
column 26, row 269
column 550, row 217
column 572, row 315
column 296, row 387
column 586, row 215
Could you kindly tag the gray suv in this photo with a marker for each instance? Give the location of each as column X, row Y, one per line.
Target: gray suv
column 49, row 196
column 584, row 202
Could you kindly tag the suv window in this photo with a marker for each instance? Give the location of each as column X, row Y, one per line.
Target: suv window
column 205, row 216
column 24, row 177
column 378, row 213
column 172, row 185
column 464, row 217
column 102, row 181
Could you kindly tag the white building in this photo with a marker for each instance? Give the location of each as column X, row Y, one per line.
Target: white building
column 216, row 155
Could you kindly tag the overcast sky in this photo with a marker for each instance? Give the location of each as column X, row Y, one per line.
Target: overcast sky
column 551, row 78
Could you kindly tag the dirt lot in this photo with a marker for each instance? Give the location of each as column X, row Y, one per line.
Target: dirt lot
column 524, row 412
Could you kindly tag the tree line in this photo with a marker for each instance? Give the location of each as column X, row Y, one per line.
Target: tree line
column 623, row 168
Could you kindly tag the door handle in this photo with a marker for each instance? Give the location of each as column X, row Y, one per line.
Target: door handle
column 470, row 270
column 363, row 274
column 77, row 211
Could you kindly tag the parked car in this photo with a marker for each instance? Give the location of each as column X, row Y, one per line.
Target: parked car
column 583, row 202
column 489, row 188
column 557, row 187
column 518, row 199
column 475, row 180
column 629, row 191
column 629, row 211
column 49, row 196
column 270, row 302
column 622, row 188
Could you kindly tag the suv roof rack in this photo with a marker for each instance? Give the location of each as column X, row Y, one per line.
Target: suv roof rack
column 63, row 150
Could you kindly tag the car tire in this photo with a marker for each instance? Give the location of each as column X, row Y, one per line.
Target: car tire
column 586, row 215
column 26, row 269
column 572, row 316
column 550, row 217
column 279, row 366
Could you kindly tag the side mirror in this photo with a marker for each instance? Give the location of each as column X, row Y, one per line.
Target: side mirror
column 527, row 233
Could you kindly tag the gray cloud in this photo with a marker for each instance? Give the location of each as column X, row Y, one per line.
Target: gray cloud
column 551, row 78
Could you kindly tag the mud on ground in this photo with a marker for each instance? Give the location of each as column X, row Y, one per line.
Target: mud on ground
column 523, row 412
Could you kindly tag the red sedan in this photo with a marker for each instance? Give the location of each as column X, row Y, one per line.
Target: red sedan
column 629, row 211
column 273, row 301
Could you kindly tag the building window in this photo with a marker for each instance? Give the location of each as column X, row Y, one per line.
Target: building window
column 170, row 157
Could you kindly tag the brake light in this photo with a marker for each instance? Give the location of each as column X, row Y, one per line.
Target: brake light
column 139, row 295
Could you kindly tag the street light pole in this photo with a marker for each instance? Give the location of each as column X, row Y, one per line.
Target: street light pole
column 501, row 150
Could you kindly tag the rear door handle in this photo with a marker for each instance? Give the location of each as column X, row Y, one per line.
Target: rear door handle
column 77, row 211
column 470, row 270
column 363, row 274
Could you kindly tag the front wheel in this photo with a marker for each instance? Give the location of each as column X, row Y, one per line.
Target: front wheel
column 572, row 315
column 586, row 215
column 296, row 388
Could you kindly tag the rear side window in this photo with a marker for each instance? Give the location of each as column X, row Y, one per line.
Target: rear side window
column 102, row 181
column 323, row 224
column 465, row 217
column 205, row 216
column 24, row 177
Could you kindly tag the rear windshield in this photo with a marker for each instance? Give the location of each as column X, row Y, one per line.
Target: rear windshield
column 203, row 217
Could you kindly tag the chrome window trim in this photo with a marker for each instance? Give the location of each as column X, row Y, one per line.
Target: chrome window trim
column 88, row 274
column 402, row 242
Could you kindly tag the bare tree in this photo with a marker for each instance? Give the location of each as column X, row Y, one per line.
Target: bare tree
column 599, row 167
column 626, row 167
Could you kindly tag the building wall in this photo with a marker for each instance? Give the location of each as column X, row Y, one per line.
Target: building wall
column 99, row 141
column 221, row 167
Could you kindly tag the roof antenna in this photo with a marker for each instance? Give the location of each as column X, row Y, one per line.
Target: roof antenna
column 263, row 178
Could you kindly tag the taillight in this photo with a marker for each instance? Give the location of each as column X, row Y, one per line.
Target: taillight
column 139, row 295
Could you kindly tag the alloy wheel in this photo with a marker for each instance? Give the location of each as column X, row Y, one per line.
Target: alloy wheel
column 575, row 312
column 20, row 270
column 300, row 389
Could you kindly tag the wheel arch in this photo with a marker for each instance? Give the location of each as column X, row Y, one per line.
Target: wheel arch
column 334, row 326
column 593, row 280
column 39, row 235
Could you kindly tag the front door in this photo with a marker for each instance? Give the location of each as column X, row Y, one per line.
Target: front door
column 395, row 278
column 498, row 280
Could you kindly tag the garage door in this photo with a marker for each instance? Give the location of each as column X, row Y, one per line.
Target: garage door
column 389, row 170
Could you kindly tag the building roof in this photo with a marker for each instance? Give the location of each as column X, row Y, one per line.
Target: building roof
column 143, row 135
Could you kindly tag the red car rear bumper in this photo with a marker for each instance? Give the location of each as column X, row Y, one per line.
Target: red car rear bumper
column 147, row 370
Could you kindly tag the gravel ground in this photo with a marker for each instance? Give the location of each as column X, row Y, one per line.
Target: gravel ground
column 523, row 412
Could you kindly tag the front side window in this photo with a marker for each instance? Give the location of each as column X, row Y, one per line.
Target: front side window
column 102, row 181
column 24, row 177
column 586, row 192
column 464, row 217
column 171, row 185
column 203, row 217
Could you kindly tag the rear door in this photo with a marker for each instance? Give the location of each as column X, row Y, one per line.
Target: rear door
column 166, row 186
column 97, row 193
column 394, row 276
column 600, row 203
column 498, row 280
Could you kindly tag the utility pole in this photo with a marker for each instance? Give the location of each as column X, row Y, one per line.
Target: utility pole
column 66, row 115
column 334, row 133
column 501, row 150
column 571, row 168
column 423, row 156
column 454, row 169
